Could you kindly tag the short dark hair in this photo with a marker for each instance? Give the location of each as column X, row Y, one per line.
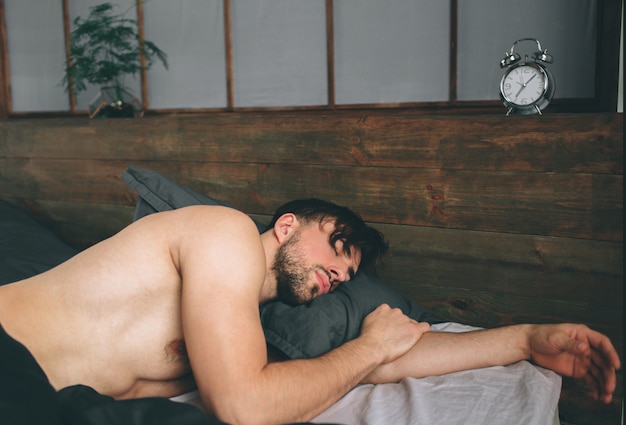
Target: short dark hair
column 349, row 227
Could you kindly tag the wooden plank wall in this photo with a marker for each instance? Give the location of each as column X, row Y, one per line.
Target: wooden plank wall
column 492, row 220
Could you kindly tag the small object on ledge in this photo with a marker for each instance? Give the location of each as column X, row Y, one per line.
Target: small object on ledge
column 527, row 86
column 112, row 102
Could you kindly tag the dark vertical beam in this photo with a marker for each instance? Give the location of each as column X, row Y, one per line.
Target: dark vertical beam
column 71, row 93
column 607, row 54
column 5, row 80
column 228, row 43
column 330, row 52
column 145, row 104
column 454, row 20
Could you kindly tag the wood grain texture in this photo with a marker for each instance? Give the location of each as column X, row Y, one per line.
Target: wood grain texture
column 592, row 143
column 582, row 205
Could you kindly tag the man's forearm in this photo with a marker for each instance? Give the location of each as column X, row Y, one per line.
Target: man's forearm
column 297, row 390
column 438, row 353
column 568, row 349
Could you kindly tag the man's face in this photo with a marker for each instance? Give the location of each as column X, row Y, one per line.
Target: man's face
column 306, row 265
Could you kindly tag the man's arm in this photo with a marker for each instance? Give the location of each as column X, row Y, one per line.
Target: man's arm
column 571, row 350
column 223, row 267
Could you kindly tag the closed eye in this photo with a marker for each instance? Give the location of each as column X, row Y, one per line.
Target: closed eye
column 345, row 250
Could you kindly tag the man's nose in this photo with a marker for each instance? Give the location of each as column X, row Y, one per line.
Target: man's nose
column 337, row 274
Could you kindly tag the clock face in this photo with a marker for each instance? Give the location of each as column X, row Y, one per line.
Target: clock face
column 524, row 84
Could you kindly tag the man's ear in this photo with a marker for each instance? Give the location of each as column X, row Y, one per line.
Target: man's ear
column 285, row 225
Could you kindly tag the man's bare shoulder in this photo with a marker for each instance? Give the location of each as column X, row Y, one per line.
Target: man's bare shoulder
column 201, row 225
column 199, row 216
column 199, row 212
column 212, row 239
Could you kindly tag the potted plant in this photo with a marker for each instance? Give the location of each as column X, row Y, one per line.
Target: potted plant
column 104, row 48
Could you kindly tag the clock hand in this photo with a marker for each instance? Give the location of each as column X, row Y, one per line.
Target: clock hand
column 534, row 75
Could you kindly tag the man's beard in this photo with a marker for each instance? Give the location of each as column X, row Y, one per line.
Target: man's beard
column 291, row 274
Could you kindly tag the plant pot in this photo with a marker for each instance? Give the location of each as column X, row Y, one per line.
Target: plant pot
column 111, row 102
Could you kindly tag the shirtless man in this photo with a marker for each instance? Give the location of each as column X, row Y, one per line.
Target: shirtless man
column 178, row 291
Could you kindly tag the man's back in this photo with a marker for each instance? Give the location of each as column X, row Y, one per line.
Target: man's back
column 110, row 317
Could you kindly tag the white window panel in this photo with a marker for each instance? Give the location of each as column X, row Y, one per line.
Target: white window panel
column 36, row 49
column 191, row 33
column 391, row 51
column 279, row 53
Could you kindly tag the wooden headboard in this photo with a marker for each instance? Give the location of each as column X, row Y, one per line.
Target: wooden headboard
column 492, row 220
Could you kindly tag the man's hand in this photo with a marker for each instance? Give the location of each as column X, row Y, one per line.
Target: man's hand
column 395, row 332
column 577, row 351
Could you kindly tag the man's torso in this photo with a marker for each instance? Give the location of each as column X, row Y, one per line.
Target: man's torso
column 109, row 317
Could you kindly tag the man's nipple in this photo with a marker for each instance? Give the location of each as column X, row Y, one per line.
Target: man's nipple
column 176, row 351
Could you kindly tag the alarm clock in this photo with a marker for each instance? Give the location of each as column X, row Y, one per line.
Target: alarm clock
column 527, row 86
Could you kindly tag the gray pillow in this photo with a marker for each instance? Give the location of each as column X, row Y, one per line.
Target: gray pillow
column 159, row 193
column 302, row 331
column 27, row 247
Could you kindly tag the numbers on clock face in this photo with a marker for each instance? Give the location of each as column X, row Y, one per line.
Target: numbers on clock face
column 524, row 85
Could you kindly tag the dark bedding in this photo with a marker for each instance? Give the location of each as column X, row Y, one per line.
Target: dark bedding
column 26, row 397
column 28, row 248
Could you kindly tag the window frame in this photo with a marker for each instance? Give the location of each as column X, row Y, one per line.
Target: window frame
column 608, row 40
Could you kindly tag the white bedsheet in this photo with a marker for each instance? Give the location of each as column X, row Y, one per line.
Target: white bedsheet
column 521, row 394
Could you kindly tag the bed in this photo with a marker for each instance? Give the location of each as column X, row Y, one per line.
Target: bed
column 492, row 220
column 517, row 394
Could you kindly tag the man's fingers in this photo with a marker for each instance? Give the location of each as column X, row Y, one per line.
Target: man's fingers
column 599, row 374
column 595, row 379
column 603, row 344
